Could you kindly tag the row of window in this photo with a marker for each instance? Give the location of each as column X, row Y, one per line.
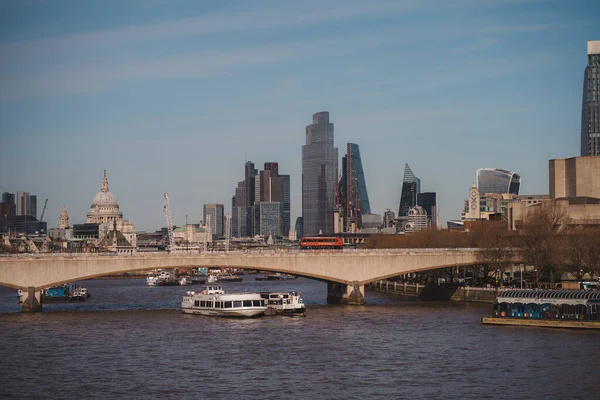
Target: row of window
column 229, row 304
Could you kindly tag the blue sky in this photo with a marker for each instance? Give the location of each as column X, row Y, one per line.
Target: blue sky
column 174, row 96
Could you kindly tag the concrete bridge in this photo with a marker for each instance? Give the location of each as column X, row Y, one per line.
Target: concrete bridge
column 346, row 272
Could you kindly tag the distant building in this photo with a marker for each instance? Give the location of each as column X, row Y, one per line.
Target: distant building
column 298, row 227
column 287, row 206
column 411, row 185
column 428, row 200
column 499, row 181
column 388, row 219
column 26, row 204
column 269, row 218
column 8, row 206
column 63, row 221
column 217, row 213
column 575, row 177
column 319, row 176
column 417, row 220
column 105, row 210
column 352, row 196
column 371, row 223
column 590, row 107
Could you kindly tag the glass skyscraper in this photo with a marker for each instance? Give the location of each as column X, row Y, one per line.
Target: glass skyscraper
column 319, row 176
column 499, row 181
column 428, row 201
column 590, row 107
column 411, row 185
column 353, row 199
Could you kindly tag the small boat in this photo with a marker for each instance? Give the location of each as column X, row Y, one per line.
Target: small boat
column 213, row 301
column 164, row 278
column 80, row 294
column 276, row 277
column 191, row 280
column 222, row 278
column 284, row 303
column 64, row 294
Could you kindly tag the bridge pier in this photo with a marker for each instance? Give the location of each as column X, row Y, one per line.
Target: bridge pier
column 340, row 293
column 32, row 301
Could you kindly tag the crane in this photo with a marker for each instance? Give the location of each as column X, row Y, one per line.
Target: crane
column 43, row 210
column 167, row 210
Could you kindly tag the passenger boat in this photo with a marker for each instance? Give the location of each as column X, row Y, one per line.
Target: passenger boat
column 579, row 309
column 284, row 303
column 213, row 301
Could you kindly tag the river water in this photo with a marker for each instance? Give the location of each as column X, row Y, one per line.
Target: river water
column 129, row 341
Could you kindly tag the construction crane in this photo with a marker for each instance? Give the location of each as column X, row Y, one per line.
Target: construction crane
column 167, row 210
column 227, row 231
column 44, row 210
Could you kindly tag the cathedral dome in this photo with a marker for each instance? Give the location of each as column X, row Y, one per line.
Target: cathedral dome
column 104, row 198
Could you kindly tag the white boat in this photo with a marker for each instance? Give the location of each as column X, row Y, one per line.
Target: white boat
column 212, row 300
column 164, row 278
column 284, row 303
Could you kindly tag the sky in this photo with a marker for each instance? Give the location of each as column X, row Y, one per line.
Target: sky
column 174, row 96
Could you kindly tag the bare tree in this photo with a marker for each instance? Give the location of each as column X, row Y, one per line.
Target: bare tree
column 540, row 246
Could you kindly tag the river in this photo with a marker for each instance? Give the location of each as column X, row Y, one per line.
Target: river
column 129, row 341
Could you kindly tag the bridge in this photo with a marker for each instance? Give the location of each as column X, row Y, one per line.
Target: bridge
column 346, row 272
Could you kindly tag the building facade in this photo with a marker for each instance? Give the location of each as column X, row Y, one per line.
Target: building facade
column 352, row 200
column 411, row 185
column 26, row 204
column 590, row 105
column 575, row 177
column 319, row 176
column 496, row 180
column 217, row 213
column 428, row 200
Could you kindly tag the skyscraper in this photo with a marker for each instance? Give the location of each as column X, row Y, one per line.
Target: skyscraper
column 411, row 185
column 286, row 222
column 216, row 212
column 319, row 176
column 352, row 196
column 590, row 107
column 499, row 181
column 428, row 201
column 26, row 204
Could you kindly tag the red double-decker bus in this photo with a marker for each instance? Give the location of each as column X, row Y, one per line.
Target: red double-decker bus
column 321, row 243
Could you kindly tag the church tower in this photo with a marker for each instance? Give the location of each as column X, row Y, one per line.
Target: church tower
column 64, row 218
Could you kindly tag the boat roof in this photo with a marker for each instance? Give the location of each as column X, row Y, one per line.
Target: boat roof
column 550, row 294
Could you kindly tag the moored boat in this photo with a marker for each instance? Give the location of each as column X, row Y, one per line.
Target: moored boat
column 164, row 278
column 191, row 280
column 223, row 278
column 578, row 309
column 213, row 301
column 284, row 303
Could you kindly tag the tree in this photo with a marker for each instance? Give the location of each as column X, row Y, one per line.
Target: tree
column 540, row 245
column 495, row 248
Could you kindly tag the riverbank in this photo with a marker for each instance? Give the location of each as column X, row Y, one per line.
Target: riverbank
column 544, row 323
column 423, row 292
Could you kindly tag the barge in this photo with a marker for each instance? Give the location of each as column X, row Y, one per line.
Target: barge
column 572, row 309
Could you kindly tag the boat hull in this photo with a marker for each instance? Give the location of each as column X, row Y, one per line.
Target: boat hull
column 242, row 313
column 542, row 323
column 287, row 312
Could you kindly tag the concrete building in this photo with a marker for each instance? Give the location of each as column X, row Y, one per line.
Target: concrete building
column 590, row 105
column 417, row 220
column 575, row 177
column 581, row 211
column 319, row 176
column 192, row 236
column 217, row 214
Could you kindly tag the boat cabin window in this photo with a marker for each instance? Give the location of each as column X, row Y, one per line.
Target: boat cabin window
column 237, row 304
column 247, row 303
column 258, row 303
column 196, row 303
column 228, row 304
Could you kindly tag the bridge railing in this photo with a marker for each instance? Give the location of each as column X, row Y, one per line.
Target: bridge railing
column 250, row 252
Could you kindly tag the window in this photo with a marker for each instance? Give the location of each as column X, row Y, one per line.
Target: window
column 237, row 304
column 228, row 304
column 247, row 303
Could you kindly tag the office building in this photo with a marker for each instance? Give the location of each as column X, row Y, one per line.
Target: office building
column 411, row 185
column 499, row 181
column 428, row 200
column 287, row 205
column 8, row 206
column 216, row 212
column 26, row 204
column 590, row 105
column 417, row 220
column 299, row 226
column 352, row 197
column 319, row 176
column 268, row 217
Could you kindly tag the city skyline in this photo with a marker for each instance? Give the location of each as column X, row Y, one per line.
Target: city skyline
column 159, row 117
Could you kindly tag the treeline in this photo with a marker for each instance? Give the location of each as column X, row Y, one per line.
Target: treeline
column 545, row 240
